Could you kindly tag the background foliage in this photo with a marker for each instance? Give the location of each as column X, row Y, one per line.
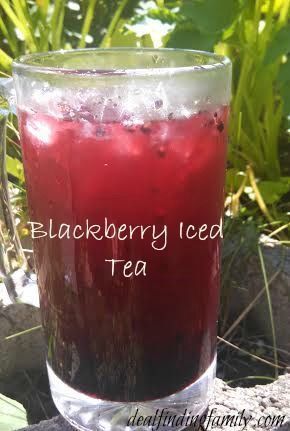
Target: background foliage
column 254, row 34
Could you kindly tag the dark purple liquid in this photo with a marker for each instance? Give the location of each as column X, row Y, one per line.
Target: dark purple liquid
column 139, row 337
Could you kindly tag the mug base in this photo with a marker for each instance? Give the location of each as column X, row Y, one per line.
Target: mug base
column 182, row 410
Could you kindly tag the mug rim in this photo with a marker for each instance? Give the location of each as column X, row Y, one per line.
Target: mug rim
column 30, row 62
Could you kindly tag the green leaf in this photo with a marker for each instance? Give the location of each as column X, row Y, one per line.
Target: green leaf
column 11, row 39
column 279, row 45
column 146, row 41
column 286, row 98
column 12, row 414
column 186, row 36
column 87, row 22
column 210, row 16
column 107, row 39
column 57, row 21
column 5, row 61
column 19, row 23
column 234, row 179
column 15, row 168
column 4, row 107
column 284, row 72
column 272, row 191
column 164, row 15
column 123, row 37
column 284, row 86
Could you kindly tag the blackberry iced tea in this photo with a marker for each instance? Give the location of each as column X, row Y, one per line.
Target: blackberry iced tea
column 130, row 141
column 140, row 337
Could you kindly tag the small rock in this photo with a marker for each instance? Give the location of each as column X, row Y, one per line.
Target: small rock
column 24, row 352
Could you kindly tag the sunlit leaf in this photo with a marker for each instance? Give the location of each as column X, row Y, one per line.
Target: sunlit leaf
column 284, row 73
column 279, row 45
column 272, row 191
column 146, row 41
column 5, row 60
column 284, row 86
column 285, row 93
column 278, row 4
column 122, row 36
column 15, row 168
column 4, row 107
column 210, row 16
column 186, row 36
column 234, row 179
column 164, row 15
column 12, row 414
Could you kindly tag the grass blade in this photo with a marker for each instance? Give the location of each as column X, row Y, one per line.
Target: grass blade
column 106, row 42
column 258, row 196
column 24, row 16
column 249, row 307
column 276, row 366
column 270, row 379
column 87, row 22
column 57, row 20
column 43, row 7
column 5, row 60
column 270, row 309
column 11, row 40
column 27, row 331
column 22, row 26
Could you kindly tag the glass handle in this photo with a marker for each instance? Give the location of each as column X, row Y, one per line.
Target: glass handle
column 14, row 271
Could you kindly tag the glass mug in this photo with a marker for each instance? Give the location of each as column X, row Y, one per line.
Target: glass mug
column 124, row 153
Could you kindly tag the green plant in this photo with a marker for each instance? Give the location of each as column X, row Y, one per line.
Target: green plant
column 256, row 36
column 12, row 414
column 30, row 26
column 258, row 46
